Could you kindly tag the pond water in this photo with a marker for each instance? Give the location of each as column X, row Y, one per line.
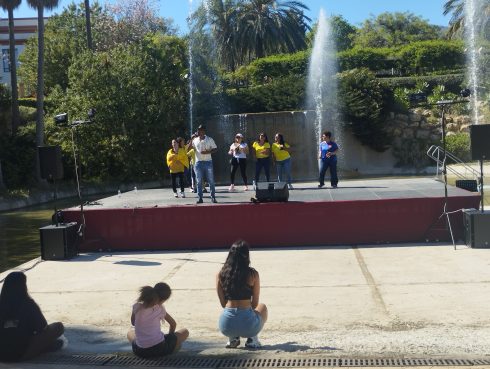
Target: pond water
column 19, row 232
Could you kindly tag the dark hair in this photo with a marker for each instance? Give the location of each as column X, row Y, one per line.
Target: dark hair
column 235, row 272
column 328, row 134
column 180, row 141
column 266, row 138
column 281, row 138
column 14, row 294
column 150, row 296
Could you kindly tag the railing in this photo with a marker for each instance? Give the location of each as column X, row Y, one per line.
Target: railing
column 437, row 153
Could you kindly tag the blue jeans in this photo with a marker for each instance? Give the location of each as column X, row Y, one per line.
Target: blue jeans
column 204, row 168
column 284, row 170
column 324, row 165
column 237, row 322
column 262, row 163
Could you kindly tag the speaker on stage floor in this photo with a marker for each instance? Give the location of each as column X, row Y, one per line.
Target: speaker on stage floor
column 467, row 184
column 476, row 228
column 272, row 192
column 50, row 162
column 479, row 139
column 59, row 242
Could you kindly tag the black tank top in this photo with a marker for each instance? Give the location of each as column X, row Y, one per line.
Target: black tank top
column 243, row 292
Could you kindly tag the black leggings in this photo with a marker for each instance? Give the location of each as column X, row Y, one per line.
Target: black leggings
column 174, row 181
column 235, row 163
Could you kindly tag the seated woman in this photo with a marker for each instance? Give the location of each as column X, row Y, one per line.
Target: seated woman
column 24, row 332
column 238, row 287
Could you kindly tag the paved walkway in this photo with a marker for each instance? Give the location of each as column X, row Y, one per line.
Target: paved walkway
column 425, row 300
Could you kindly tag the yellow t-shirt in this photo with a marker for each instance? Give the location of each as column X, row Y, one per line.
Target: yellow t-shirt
column 184, row 159
column 258, row 148
column 173, row 162
column 191, row 154
column 279, row 154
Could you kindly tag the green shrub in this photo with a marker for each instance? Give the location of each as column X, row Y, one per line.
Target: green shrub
column 459, row 145
column 435, row 55
column 370, row 58
column 451, row 82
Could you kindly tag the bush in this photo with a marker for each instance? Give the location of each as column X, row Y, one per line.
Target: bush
column 370, row 58
column 435, row 55
column 451, row 82
column 459, row 145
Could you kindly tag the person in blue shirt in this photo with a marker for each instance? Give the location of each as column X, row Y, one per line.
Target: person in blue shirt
column 327, row 153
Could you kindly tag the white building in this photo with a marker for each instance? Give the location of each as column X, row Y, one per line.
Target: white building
column 24, row 28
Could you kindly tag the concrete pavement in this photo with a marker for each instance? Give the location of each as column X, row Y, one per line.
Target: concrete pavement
column 415, row 300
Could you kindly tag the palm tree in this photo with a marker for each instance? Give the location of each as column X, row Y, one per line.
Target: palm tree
column 457, row 10
column 10, row 5
column 40, row 5
column 268, row 27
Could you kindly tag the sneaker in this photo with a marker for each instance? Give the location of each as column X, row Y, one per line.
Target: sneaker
column 176, row 195
column 253, row 342
column 205, row 190
column 182, row 194
column 320, row 186
column 245, row 188
column 233, row 343
column 194, row 190
column 334, row 186
column 232, row 188
column 191, row 190
column 290, row 186
column 199, row 201
column 213, row 200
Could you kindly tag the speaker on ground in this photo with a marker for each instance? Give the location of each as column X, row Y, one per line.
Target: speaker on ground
column 272, row 192
column 59, row 242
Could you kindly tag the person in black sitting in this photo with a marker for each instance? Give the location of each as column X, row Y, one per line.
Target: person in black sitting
column 238, row 287
column 24, row 332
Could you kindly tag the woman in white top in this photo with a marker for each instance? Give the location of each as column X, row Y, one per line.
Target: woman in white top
column 238, row 151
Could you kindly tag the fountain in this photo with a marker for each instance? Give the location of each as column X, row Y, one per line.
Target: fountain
column 322, row 86
column 471, row 7
column 190, row 76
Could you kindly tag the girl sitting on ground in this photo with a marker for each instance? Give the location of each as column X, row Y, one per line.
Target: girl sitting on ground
column 238, row 287
column 24, row 332
column 146, row 338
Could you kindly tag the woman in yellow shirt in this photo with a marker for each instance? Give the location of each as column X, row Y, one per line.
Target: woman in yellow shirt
column 262, row 150
column 280, row 150
column 175, row 162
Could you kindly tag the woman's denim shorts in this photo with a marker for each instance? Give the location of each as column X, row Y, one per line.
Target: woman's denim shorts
column 235, row 322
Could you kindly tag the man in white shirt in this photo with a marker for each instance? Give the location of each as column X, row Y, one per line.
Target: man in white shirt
column 204, row 146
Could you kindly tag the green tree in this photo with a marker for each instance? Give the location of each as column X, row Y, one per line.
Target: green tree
column 10, row 5
column 140, row 94
column 457, row 10
column 40, row 5
column 394, row 29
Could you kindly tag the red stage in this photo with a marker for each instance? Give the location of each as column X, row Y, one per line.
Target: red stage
column 359, row 212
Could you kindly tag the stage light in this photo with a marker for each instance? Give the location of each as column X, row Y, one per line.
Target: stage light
column 61, row 119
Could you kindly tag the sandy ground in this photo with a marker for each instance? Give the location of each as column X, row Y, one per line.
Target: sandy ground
column 389, row 301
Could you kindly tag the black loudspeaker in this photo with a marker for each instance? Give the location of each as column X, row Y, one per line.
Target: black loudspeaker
column 467, row 184
column 50, row 162
column 272, row 192
column 477, row 228
column 480, row 141
column 59, row 242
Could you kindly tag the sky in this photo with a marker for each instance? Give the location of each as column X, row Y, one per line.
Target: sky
column 354, row 11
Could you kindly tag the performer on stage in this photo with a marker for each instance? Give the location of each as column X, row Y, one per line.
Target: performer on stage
column 204, row 146
column 327, row 153
column 262, row 150
column 238, row 151
column 184, row 148
column 280, row 150
column 176, row 157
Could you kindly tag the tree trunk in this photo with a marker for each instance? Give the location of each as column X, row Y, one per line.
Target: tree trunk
column 88, row 25
column 13, row 73
column 2, row 185
column 40, row 87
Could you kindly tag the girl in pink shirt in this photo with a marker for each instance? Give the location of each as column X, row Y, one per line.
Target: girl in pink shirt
column 147, row 338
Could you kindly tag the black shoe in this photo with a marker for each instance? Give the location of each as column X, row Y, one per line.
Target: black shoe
column 213, row 200
column 320, row 186
column 334, row 186
column 199, row 201
column 204, row 190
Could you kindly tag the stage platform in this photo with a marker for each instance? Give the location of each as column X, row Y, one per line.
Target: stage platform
column 357, row 212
